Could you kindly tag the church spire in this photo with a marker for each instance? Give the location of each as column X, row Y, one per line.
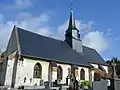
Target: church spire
column 72, row 30
column 71, row 19
column 72, row 36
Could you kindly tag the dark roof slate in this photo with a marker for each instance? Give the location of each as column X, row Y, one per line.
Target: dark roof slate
column 93, row 56
column 35, row 45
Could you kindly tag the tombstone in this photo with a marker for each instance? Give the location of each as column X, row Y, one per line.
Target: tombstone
column 67, row 81
column 47, row 84
column 41, row 82
column 25, row 79
column 74, row 84
column 30, row 80
column 55, row 84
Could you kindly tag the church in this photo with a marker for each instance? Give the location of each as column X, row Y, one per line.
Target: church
column 31, row 58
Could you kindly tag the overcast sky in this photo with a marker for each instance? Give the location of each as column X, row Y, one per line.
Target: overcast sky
column 97, row 20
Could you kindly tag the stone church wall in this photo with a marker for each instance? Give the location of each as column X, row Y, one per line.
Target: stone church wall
column 86, row 73
column 3, row 74
column 92, row 72
column 8, row 69
column 96, row 66
column 25, row 70
column 9, row 72
column 106, row 68
column 65, row 71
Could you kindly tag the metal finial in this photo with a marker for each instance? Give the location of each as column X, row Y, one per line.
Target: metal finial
column 71, row 4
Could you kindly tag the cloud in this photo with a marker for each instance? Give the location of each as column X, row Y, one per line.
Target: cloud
column 85, row 27
column 60, row 33
column 117, row 38
column 39, row 24
column 23, row 16
column 1, row 20
column 19, row 4
column 96, row 40
column 4, row 34
column 109, row 32
column 36, row 24
column 45, row 31
column 93, row 39
column 1, row 17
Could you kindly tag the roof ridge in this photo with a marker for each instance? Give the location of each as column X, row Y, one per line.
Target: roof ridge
column 39, row 34
column 88, row 47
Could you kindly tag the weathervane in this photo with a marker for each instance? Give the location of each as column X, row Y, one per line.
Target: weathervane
column 71, row 4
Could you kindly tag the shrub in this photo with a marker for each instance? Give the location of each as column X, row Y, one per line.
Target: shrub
column 86, row 83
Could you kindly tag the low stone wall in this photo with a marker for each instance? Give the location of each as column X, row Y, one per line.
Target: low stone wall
column 100, row 85
column 3, row 87
column 64, row 87
column 34, row 87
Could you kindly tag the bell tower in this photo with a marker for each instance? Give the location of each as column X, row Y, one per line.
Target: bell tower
column 72, row 36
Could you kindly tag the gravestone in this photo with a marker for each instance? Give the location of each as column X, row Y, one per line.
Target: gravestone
column 68, row 81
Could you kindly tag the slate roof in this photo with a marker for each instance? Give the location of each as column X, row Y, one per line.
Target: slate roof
column 38, row 46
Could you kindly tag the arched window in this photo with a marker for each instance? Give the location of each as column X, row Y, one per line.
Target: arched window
column 82, row 74
column 37, row 71
column 59, row 72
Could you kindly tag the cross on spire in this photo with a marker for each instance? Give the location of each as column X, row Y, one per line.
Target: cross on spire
column 71, row 3
column 71, row 19
column 72, row 36
column 72, row 29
